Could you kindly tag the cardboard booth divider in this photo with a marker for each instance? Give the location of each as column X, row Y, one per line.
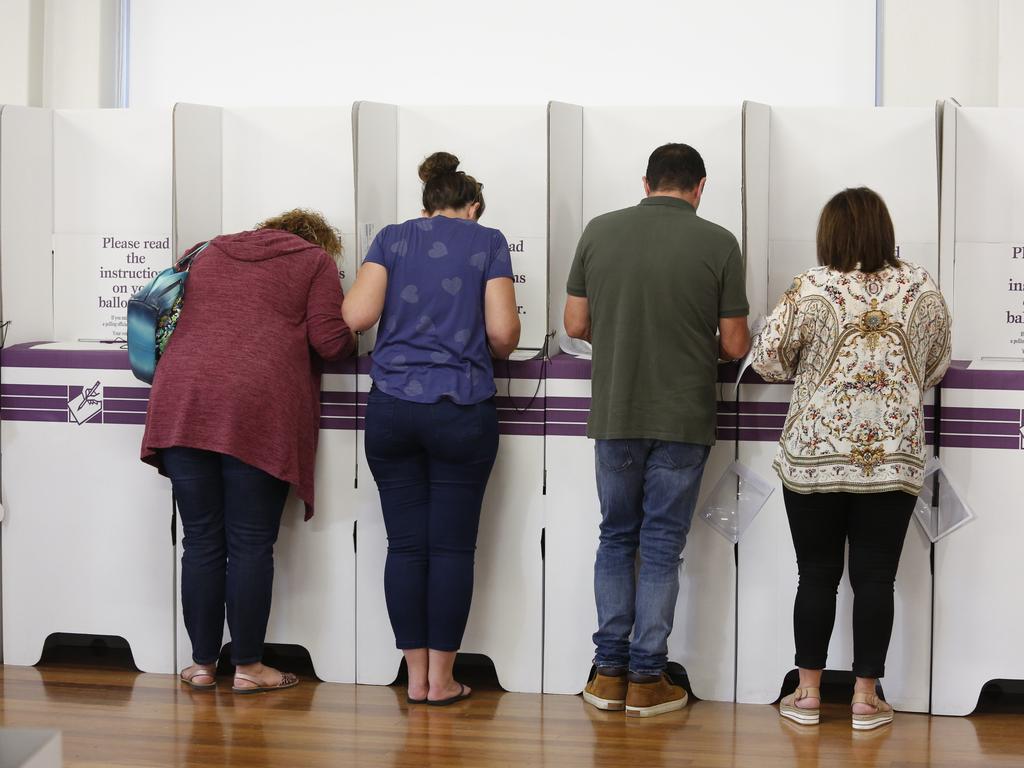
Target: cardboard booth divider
column 84, row 214
column 91, row 201
column 505, row 149
column 235, row 167
column 807, row 155
column 982, row 441
column 756, row 203
column 598, row 156
column 26, row 222
column 198, row 174
column 565, row 205
column 982, row 231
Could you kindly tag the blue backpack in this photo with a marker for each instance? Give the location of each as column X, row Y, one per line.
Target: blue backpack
column 153, row 315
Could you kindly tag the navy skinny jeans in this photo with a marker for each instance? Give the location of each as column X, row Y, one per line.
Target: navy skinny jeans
column 230, row 515
column 431, row 462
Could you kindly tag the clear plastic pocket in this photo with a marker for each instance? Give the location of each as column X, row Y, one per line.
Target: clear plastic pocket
column 737, row 497
column 940, row 508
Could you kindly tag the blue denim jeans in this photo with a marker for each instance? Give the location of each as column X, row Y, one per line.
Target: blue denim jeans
column 230, row 514
column 648, row 490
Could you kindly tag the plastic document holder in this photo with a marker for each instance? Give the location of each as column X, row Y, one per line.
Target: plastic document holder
column 738, row 496
column 949, row 513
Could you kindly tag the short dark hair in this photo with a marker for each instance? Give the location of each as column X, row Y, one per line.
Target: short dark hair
column 445, row 186
column 855, row 232
column 675, row 166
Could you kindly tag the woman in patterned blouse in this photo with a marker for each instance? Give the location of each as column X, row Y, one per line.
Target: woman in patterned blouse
column 863, row 336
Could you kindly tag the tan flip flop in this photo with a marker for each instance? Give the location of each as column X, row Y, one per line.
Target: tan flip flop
column 288, row 680
column 200, row 672
column 881, row 716
column 789, row 710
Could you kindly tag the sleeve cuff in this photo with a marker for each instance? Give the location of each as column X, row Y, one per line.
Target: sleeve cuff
column 577, row 292
column 734, row 312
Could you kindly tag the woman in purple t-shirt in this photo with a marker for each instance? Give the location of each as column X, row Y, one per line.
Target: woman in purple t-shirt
column 441, row 287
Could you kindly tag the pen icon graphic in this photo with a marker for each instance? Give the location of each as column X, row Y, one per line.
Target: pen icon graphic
column 89, row 395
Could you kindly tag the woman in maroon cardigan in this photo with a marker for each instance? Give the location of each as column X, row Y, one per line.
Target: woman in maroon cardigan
column 233, row 420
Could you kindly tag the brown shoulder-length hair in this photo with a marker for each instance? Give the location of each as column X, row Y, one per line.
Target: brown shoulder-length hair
column 310, row 226
column 855, row 232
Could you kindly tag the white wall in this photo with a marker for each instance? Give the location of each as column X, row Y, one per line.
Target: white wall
column 967, row 49
column 21, row 52
column 80, row 53
column 238, row 52
column 1011, row 53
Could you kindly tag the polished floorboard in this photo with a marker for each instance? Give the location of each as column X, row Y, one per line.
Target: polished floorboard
column 114, row 716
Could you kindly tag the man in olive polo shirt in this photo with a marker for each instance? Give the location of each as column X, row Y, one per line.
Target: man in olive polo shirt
column 660, row 294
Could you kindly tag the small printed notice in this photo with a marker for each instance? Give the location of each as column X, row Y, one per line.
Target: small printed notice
column 530, row 274
column 988, row 306
column 95, row 275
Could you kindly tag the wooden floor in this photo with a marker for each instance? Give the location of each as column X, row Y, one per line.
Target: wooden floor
column 116, row 717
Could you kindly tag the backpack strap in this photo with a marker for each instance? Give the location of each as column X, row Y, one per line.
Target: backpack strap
column 185, row 262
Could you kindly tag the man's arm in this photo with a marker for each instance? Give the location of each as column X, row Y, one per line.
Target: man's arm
column 577, row 317
column 734, row 337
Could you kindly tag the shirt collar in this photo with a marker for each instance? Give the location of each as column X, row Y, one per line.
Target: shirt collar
column 672, row 202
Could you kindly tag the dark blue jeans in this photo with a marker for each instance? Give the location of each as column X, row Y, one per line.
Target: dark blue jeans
column 230, row 515
column 431, row 462
column 648, row 490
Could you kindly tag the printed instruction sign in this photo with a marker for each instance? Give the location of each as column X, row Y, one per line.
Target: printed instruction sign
column 94, row 276
column 530, row 274
column 989, row 300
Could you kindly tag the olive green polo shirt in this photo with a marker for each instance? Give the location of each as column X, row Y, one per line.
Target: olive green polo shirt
column 657, row 278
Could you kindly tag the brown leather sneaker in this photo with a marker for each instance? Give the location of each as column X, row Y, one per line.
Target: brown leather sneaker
column 657, row 698
column 606, row 691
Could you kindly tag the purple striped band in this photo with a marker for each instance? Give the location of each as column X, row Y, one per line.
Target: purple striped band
column 14, row 414
column 981, row 441
column 338, row 423
column 980, row 427
column 128, row 393
column 959, row 376
column 35, row 402
column 134, row 406
column 981, row 414
column 35, row 390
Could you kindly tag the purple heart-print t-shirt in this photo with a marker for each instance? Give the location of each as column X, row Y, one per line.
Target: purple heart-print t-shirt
column 431, row 341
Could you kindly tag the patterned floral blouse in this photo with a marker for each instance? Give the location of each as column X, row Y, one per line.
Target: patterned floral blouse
column 862, row 348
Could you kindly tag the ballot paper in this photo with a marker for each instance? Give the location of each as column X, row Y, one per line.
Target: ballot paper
column 756, row 329
column 575, row 347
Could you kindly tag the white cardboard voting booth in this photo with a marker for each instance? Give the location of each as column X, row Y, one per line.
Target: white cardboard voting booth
column 505, row 149
column 795, row 160
column 978, row 618
column 84, row 214
column 234, row 168
column 598, row 156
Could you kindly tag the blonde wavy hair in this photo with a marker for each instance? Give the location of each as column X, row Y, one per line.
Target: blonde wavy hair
column 310, row 226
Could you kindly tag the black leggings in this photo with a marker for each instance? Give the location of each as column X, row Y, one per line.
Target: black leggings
column 875, row 525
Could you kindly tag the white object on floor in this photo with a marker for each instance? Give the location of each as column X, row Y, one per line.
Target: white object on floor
column 30, row 748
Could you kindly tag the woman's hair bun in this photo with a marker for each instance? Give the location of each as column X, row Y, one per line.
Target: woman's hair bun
column 438, row 164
